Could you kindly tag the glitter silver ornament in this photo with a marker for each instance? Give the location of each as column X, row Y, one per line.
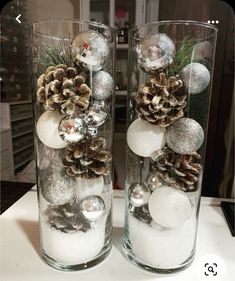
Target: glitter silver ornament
column 196, row 77
column 58, row 189
column 153, row 182
column 72, row 129
column 93, row 207
column 138, row 194
column 90, row 49
column 185, row 136
column 102, row 85
column 155, row 51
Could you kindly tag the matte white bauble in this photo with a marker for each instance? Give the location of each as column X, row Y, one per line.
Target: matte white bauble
column 85, row 188
column 169, row 207
column 47, row 129
column 144, row 138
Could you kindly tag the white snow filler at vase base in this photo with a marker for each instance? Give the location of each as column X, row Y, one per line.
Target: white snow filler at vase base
column 73, row 248
column 162, row 247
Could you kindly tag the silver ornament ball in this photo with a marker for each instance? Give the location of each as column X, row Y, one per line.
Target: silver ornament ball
column 58, row 189
column 138, row 194
column 102, row 85
column 153, row 182
column 93, row 207
column 185, row 136
column 91, row 49
column 96, row 116
column 155, row 51
column 196, row 77
column 72, row 129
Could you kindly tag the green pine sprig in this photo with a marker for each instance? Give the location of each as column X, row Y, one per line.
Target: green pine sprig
column 183, row 56
column 52, row 56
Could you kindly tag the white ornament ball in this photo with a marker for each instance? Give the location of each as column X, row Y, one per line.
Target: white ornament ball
column 47, row 129
column 102, row 85
column 85, row 188
column 155, row 51
column 196, row 77
column 169, row 207
column 144, row 138
column 91, row 49
column 184, row 136
column 202, row 51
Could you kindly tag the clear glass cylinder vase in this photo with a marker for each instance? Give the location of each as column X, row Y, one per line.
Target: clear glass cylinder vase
column 73, row 92
column 170, row 77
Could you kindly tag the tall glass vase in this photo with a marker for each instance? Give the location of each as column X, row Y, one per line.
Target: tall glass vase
column 73, row 91
column 170, row 73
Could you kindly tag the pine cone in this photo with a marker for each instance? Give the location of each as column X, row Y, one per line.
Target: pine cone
column 181, row 171
column 142, row 213
column 62, row 88
column 87, row 159
column 160, row 102
column 67, row 218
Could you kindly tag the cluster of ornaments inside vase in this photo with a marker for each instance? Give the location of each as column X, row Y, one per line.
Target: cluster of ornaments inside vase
column 162, row 213
column 75, row 98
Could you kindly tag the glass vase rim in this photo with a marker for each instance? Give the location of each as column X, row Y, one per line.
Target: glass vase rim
column 185, row 22
column 76, row 21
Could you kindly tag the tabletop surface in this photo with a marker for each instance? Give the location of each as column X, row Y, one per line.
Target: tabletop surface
column 20, row 258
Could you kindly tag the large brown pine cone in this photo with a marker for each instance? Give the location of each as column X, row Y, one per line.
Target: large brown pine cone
column 181, row 171
column 87, row 159
column 67, row 218
column 62, row 88
column 160, row 101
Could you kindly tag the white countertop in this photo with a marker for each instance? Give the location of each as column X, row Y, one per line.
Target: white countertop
column 20, row 260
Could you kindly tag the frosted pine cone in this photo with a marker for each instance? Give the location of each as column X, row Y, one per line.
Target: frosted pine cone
column 67, row 218
column 142, row 213
column 181, row 171
column 87, row 159
column 62, row 88
column 160, row 102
